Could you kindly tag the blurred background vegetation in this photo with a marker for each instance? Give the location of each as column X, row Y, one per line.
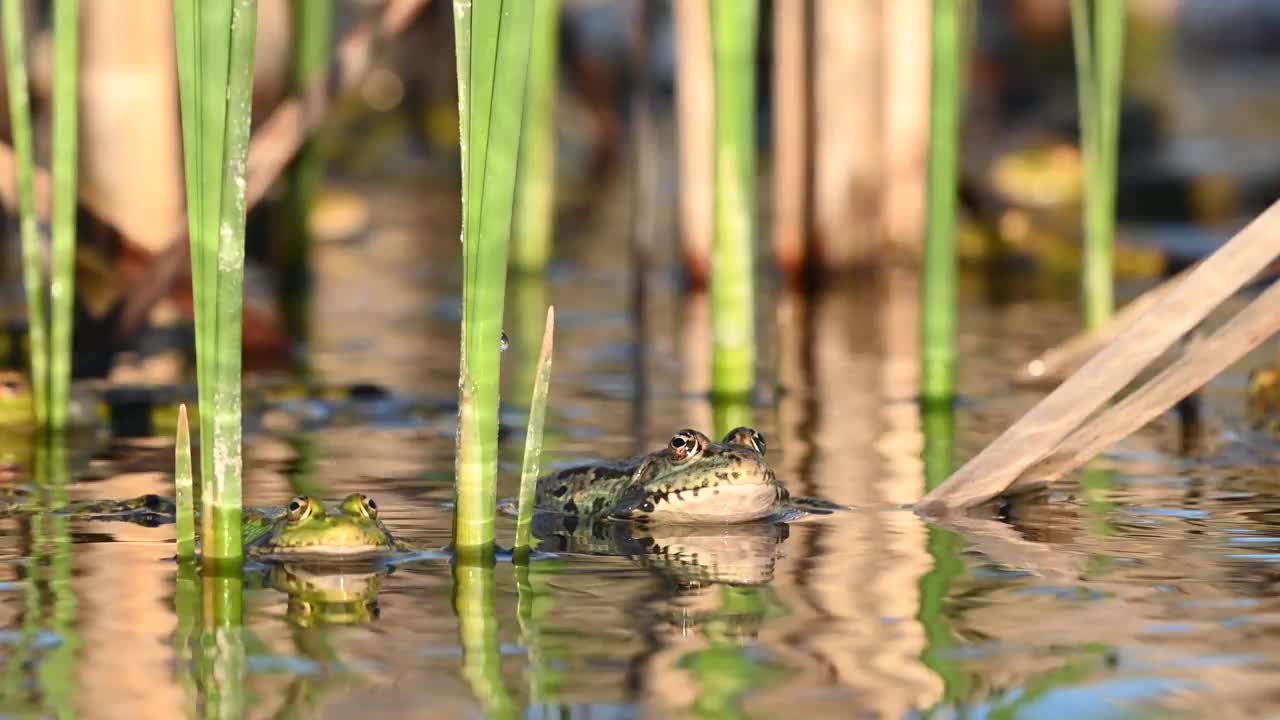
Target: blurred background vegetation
column 841, row 118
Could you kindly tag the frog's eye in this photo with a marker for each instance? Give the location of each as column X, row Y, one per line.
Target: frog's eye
column 746, row 437
column 686, row 445
column 360, row 505
column 300, row 508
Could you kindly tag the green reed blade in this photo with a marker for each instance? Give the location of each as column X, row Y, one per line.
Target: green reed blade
column 533, row 440
column 184, row 488
column 728, row 413
column 66, row 83
column 32, row 260
column 462, row 63
column 734, row 26
column 215, row 42
column 203, row 41
column 939, row 281
column 536, row 183
column 1099, row 49
column 227, row 414
column 493, row 51
column 313, row 38
column 291, row 241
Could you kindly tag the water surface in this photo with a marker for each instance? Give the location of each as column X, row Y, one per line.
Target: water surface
column 1145, row 589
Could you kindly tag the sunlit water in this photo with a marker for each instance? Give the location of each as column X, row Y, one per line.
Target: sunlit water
column 1145, row 591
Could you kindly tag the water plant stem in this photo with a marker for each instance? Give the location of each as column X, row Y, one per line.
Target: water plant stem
column 493, row 50
column 734, row 26
column 939, row 284
column 202, row 36
column 32, row 260
column 226, row 542
column 535, row 191
column 313, row 21
column 184, row 489
column 312, row 44
column 215, row 42
column 533, row 440
column 66, row 109
column 1099, row 50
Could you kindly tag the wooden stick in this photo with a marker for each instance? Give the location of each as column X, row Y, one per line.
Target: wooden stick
column 1056, row 363
column 1224, row 272
column 1205, row 359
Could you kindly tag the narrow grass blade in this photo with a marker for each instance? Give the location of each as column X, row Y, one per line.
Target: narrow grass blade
column 184, row 489
column 1099, row 48
column 535, row 194
column 227, row 414
column 313, row 38
column 493, row 46
column 462, row 61
column 312, row 44
column 202, row 37
column 939, row 283
column 533, row 440
column 66, row 110
column 32, row 260
column 215, row 43
column 734, row 26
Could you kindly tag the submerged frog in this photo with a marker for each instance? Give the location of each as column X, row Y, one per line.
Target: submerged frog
column 691, row 480
column 306, row 527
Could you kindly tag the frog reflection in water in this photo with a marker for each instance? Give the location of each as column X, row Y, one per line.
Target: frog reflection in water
column 322, row 594
column 691, row 480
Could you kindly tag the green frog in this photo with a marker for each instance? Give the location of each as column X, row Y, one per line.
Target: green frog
column 306, row 528
column 691, row 480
